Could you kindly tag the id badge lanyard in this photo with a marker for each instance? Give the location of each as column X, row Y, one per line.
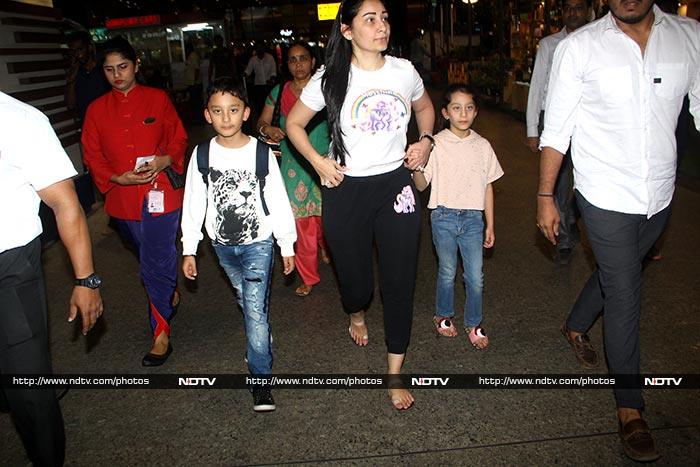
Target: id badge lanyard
column 156, row 200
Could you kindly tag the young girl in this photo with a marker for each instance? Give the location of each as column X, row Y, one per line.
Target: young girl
column 368, row 195
column 462, row 168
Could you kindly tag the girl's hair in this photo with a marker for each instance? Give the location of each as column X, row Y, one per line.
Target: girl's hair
column 458, row 87
column 118, row 45
column 334, row 83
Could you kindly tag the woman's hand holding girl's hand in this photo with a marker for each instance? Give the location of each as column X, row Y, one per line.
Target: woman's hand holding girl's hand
column 330, row 172
column 417, row 154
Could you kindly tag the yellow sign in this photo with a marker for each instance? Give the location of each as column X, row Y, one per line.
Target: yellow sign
column 328, row 11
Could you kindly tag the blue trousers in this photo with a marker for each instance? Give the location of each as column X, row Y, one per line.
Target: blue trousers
column 153, row 238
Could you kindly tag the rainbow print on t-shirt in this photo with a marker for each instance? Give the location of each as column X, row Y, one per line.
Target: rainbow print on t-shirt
column 379, row 110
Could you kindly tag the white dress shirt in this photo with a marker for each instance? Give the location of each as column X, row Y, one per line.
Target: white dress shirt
column 263, row 68
column 31, row 159
column 620, row 109
column 537, row 95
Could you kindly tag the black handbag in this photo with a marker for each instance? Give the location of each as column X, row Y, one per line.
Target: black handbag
column 176, row 180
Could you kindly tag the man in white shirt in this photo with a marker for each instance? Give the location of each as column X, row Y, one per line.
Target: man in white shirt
column 576, row 13
column 264, row 69
column 616, row 90
column 33, row 168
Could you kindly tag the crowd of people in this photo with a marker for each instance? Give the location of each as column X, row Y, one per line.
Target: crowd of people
column 330, row 174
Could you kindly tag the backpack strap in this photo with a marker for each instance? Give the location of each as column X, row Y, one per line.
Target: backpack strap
column 203, row 160
column 262, row 157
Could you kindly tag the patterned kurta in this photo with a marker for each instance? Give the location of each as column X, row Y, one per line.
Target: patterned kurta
column 300, row 179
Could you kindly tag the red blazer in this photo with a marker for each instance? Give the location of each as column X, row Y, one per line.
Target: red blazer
column 118, row 129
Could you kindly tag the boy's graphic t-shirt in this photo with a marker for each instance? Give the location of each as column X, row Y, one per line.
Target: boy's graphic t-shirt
column 230, row 206
column 375, row 115
column 234, row 193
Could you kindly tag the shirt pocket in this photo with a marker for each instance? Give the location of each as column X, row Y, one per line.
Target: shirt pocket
column 670, row 79
column 615, row 84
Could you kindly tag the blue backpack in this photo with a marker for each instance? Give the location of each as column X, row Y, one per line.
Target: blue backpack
column 262, row 155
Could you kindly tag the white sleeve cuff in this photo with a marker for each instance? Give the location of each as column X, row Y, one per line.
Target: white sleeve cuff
column 189, row 247
column 286, row 248
column 561, row 144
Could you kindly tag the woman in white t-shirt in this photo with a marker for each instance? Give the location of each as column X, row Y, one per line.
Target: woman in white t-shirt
column 368, row 193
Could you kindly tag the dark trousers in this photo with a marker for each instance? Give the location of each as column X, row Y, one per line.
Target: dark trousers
column 24, row 350
column 154, row 240
column 381, row 209
column 619, row 242
column 564, row 200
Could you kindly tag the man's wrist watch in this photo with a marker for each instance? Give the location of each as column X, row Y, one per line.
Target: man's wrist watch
column 92, row 281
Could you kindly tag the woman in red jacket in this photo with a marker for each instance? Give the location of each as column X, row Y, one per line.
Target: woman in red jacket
column 130, row 136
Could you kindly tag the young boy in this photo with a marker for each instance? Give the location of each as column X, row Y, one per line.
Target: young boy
column 230, row 206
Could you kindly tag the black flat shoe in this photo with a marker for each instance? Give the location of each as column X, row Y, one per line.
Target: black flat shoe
column 151, row 359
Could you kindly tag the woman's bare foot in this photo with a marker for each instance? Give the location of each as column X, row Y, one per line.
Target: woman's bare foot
column 401, row 398
column 160, row 344
column 358, row 328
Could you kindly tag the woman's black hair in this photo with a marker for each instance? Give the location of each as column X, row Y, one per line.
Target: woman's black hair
column 118, row 45
column 336, row 77
column 228, row 85
column 304, row 45
column 458, row 87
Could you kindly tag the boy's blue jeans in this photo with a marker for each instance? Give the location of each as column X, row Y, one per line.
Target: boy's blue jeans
column 249, row 268
column 459, row 230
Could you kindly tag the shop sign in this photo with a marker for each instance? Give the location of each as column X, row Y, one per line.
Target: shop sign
column 327, row 11
column 134, row 21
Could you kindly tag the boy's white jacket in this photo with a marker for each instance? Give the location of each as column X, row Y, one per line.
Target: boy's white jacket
column 230, row 206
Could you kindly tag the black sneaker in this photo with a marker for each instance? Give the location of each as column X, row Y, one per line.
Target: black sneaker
column 262, row 399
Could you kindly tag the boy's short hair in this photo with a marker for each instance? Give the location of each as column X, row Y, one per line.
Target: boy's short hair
column 230, row 85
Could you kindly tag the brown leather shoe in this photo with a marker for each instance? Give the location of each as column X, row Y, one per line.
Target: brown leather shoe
column 637, row 441
column 584, row 351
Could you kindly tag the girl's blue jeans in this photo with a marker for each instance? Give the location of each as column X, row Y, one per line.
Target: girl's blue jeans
column 459, row 230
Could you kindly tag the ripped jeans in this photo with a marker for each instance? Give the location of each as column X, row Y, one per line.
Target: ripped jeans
column 249, row 268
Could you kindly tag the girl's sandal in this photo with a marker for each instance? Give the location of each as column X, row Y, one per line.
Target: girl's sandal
column 444, row 326
column 477, row 337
